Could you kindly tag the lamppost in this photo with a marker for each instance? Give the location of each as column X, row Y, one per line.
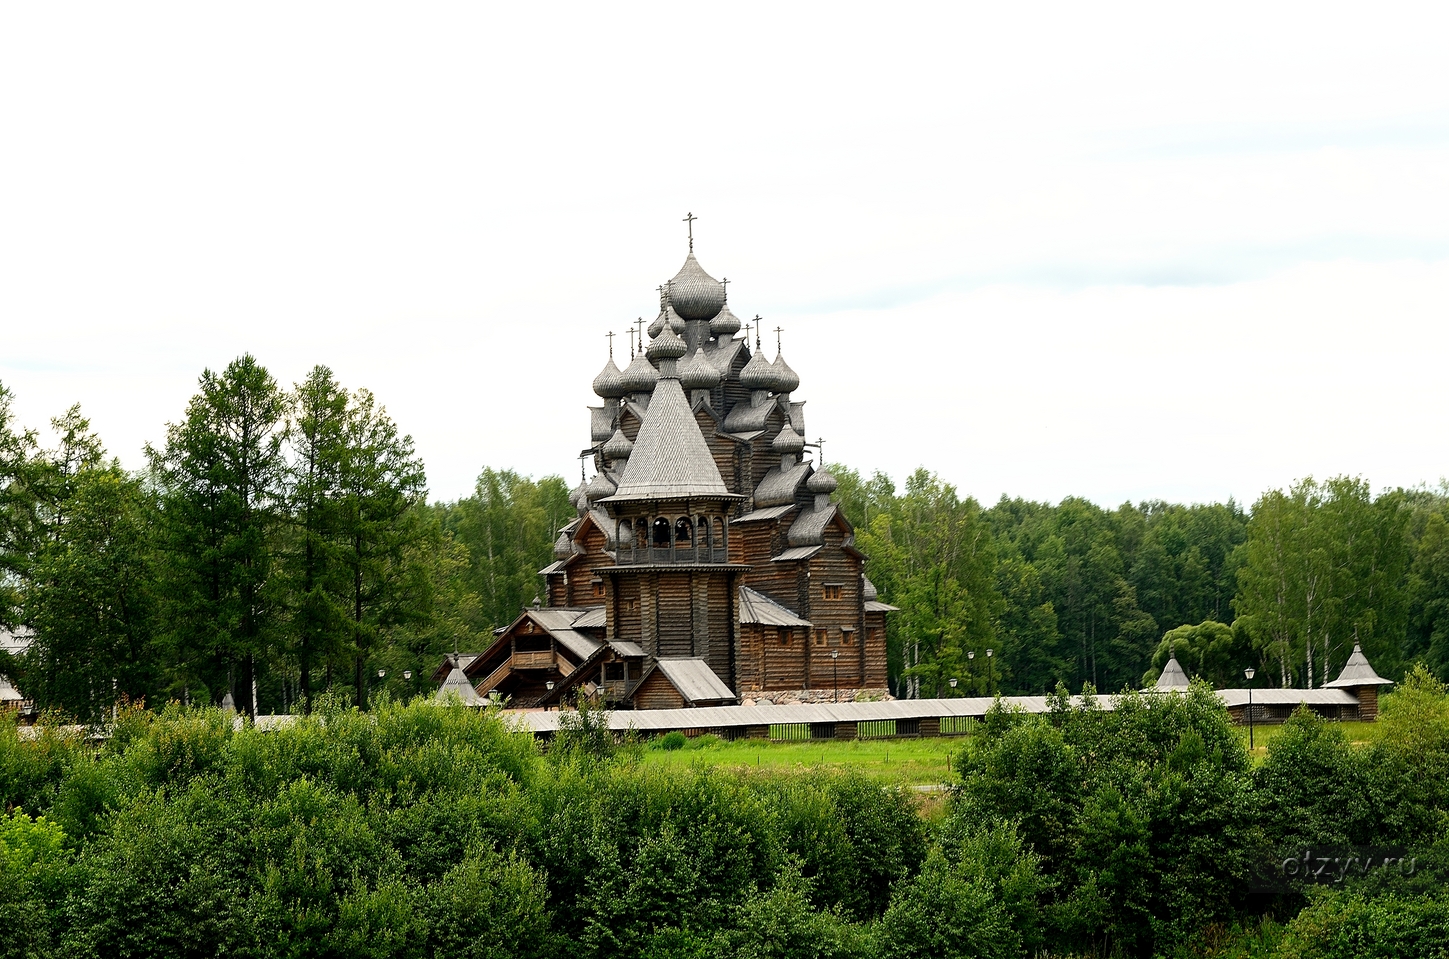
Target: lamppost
column 953, row 683
column 990, row 675
column 548, row 686
column 970, row 657
column 380, row 674
column 1248, row 674
column 835, row 670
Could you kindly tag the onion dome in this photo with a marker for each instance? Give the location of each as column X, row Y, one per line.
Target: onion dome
column 758, row 374
column 609, row 384
column 694, row 293
column 563, row 547
column 821, row 481
column 618, row 447
column 600, row 486
column 786, row 380
column 698, row 373
column 578, row 498
column 667, row 346
column 667, row 317
column 639, row 376
column 725, row 323
column 788, row 441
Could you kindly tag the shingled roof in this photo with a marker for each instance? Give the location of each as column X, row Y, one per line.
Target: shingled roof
column 1358, row 672
column 1173, row 676
column 670, row 457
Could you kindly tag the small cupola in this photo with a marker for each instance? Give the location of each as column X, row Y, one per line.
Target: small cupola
column 640, row 375
column 698, row 373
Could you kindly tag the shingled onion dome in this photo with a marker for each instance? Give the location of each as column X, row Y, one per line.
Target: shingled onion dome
column 609, row 384
column 639, row 376
column 667, row 346
column 785, row 380
column 563, row 547
column 600, row 486
column 725, row 323
column 667, row 317
column 821, row 481
column 618, row 447
column 698, row 373
column 694, row 293
column 758, row 374
column 579, row 498
column 788, row 441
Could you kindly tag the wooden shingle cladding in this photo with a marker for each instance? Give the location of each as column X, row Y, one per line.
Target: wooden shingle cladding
column 713, row 502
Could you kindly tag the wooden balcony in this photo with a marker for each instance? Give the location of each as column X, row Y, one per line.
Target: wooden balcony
column 533, row 660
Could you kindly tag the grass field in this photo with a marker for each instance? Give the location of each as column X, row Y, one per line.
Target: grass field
column 909, row 762
column 1357, row 733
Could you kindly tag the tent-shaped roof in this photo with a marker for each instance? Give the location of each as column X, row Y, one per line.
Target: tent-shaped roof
column 670, row 458
column 1173, row 676
column 1358, row 672
column 457, row 685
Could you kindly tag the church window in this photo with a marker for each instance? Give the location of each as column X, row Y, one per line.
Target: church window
column 613, row 672
column 847, row 635
column 783, row 634
column 683, row 532
column 832, row 591
column 598, row 585
column 661, row 533
column 822, row 637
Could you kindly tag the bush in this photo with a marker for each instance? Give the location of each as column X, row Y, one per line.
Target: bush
column 672, row 740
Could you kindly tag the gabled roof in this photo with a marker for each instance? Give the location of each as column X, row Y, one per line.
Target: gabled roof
column 809, row 527
column 745, row 417
column 670, row 458
column 757, row 608
column 696, row 682
column 778, row 487
column 1358, row 672
column 875, row 606
column 581, row 645
column 625, row 648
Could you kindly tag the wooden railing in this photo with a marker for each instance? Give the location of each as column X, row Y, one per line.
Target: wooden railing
column 533, row 660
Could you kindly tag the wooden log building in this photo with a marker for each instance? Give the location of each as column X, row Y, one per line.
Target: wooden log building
column 707, row 564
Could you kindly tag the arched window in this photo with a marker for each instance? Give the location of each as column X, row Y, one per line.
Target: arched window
column 661, row 533
column 721, row 545
column 702, row 538
column 683, row 532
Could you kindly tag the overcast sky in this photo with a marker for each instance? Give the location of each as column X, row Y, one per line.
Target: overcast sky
column 1120, row 252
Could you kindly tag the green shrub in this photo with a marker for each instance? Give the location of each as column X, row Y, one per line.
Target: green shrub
column 672, row 740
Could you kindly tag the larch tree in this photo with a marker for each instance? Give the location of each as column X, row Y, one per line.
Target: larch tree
column 220, row 475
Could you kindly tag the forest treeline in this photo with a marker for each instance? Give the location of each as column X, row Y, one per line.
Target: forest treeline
column 1083, row 594
column 280, row 541
column 434, row 830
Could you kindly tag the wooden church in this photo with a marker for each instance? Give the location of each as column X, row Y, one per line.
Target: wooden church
column 707, row 564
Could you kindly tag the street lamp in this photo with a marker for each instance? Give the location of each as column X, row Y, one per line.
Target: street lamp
column 990, row 675
column 835, row 669
column 953, row 682
column 548, row 686
column 971, row 657
column 1248, row 674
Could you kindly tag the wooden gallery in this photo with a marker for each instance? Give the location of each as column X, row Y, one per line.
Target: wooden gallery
column 707, row 564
